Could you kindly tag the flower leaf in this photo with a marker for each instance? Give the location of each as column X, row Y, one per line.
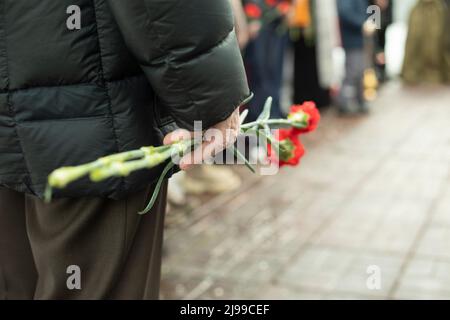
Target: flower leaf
column 155, row 194
column 243, row 116
column 48, row 194
column 265, row 115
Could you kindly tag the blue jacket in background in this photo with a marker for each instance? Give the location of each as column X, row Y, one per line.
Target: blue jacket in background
column 352, row 15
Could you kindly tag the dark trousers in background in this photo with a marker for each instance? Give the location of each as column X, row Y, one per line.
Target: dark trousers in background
column 306, row 75
column 264, row 61
column 117, row 251
column 352, row 91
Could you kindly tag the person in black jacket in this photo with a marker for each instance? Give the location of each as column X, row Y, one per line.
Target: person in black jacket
column 82, row 79
column 353, row 15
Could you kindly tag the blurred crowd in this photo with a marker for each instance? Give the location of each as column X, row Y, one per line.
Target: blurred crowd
column 339, row 59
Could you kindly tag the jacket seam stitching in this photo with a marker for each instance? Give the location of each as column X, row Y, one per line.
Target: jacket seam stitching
column 141, row 75
column 8, row 97
column 93, row 117
column 104, row 85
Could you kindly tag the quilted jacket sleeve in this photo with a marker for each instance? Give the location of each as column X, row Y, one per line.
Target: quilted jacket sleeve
column 189, row 53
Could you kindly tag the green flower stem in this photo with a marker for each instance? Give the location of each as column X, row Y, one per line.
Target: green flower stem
column 267, row 137
column 273, row 142
column 242, row 157
column 123, row 169
column 152, row 157
column 121, row 164
column 281, row 122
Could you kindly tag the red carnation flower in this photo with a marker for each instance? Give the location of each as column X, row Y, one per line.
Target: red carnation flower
column 310, row 110
column 284, row 7
column 271, row 3
column 291, row 149
column 252, row 11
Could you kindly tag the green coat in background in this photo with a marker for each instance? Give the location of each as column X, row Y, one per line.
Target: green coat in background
column 447, row 39
column 427, row 55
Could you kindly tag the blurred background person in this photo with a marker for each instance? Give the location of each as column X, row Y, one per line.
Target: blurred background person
column 242, row 28
column 314, row 36
column 386, row 7
column 426, row 53
column 264, row 55
column 353, row 19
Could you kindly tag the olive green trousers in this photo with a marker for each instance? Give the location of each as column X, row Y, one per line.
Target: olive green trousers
column 88, row 248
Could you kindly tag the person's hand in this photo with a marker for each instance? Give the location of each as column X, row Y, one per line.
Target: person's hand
column 383, row 4
column 243, row 37
column 241, row 24
column 215, row 140
column 369, row 27
column 254, row 27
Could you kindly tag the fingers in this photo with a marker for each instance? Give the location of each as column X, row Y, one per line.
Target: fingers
column 177, row 135
column 215, row 142
column 212, row 145
column 198, row 156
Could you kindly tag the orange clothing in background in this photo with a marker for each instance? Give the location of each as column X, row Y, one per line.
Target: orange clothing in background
column 301, row 14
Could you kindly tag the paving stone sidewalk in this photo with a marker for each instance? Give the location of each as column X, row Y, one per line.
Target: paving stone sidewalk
column 372, row 191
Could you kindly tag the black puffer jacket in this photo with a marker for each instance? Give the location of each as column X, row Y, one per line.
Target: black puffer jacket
column 135, row 66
